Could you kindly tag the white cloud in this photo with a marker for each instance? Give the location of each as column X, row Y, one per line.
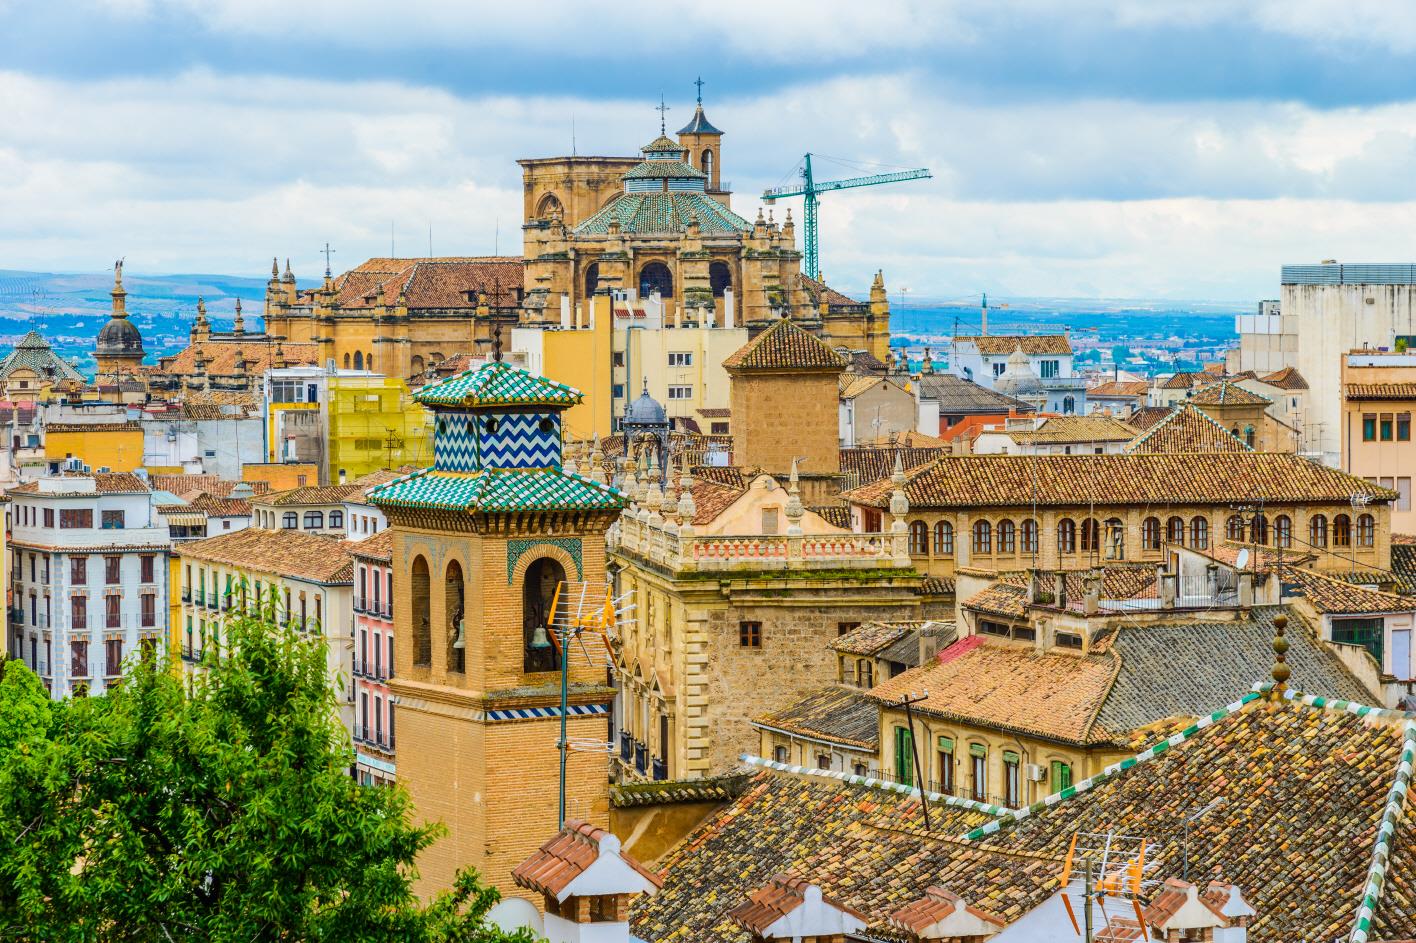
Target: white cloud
column 208, row 172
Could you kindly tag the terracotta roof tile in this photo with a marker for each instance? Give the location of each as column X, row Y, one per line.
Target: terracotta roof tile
column 1031, row 344
column 1187, row 428
column 1365, row 391
column 211, row 484
column 1120, row 480
column 781, row 895
column 1227, row 393
column 1000, row 599
column 220, row 356
column 130, row 426
column 837, row 713
column 376, row 547
column 936, row 904
column 1327, row 594
column 954, row 394
column 869, row 638
column 1123, row 388
column 438, row 283
column 103, row 482
column 1147, row 416
column 313, row 494
column 292, row 553
column 1060, row 430
column 785, row 346
column 1184, row 380
column 814, row 288
column 873, row 463
column 566, row 856
column 1286, row 379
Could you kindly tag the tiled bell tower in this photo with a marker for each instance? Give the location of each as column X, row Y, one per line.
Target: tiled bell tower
column 481, row 540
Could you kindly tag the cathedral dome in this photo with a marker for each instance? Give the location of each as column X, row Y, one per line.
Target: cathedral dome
column 645, row 411
column 119, row 337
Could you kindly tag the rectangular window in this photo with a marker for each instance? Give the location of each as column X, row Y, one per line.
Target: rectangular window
column 71, row 518
column 617, row 391
column 946, row 766
column 843, row 627
column 1364, row 632
column 48, row 516
column 78, row 664
column 1384, row 427
column 363, row 650
column 1048, row 369
column 750, row 634
column 111, row 568
column 1403, row 427
column 390, row 675
column 1012, row 780
column 112, row 520
column 904, row 756
column 112, row 608
column 149, row 608
column 1061, row 776
column 680, row 359
column 680, row 392
column 978, row 766
column 1403, row 491
column 998, row 368
column 618, row 359
column 112, row 656
column 1369, row 427
column 771, row 521
column 78, row 570
column 378, row 719
column 147, row 568
column 718, row 428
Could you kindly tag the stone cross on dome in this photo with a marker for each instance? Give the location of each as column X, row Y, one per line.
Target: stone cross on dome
column 663, row 111
column 699, row 82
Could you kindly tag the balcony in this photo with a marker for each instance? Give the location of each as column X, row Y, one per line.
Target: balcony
column 660, row 769
column 360, row 604
column 186, row 595
column 662, row 543
column 626, row 746
column 641, row 754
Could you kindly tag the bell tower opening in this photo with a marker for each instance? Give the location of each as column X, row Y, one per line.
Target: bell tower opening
column 418, row 586
column 656, row 277
column 456, row 629
column 537, row 592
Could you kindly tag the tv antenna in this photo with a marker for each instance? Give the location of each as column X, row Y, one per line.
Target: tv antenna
column 1111, row 867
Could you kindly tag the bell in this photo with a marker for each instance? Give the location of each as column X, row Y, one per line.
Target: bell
column 539, row 639
column 460, row 642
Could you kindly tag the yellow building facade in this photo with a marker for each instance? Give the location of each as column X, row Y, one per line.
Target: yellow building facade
column 103, row 446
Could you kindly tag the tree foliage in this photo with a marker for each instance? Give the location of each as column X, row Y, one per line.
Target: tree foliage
column 214, row 807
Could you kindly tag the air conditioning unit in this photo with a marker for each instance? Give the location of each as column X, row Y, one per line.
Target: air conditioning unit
column 1036, row 773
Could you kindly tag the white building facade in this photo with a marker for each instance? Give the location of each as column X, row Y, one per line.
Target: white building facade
column 89, row 579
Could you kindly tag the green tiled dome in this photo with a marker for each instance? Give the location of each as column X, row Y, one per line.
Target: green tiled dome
column 640, row 213
column 497, row 384
column 498, row 491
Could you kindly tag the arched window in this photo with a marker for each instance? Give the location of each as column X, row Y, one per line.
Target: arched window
column 1090, row 535
column 415, row 366
column 943, row 539
column 1342, row 531
column 314, row 520
column 1007, row 537
column 656, row 277
column 419, row 585
column 542, row 578
column 1283, row 531
column 919, row 538
column 1366, row 530
column 1260, row 528
column 336, row 518
column 1069, row 405
column 592, row 278
column 1199, row 532
column 1066, row 535
column 549, row 207
column 707, row 162
column 1150, row 533
column 1249, row 436
column 454, row 611
column 358, row 359
column 1234, row 528
column 1175, row 530
column 1027, row 531
column 346, row 360
column 1317, row 530
column 369, row 360
column 1115, row 539
column 982, row 537
column 720, row 277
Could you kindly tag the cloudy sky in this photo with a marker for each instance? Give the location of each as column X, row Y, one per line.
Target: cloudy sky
column 1117, row 148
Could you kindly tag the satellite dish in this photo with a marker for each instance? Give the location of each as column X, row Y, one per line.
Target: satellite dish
column 1242, row 560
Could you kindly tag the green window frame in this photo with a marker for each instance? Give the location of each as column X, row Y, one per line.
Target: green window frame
column 1061, row 776
column 1369, row 427
column 1369, row 633
column 904, row 756
column 1385, row 426
column 1403, row 427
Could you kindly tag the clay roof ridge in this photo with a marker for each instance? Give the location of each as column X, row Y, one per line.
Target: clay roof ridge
column 870, row 782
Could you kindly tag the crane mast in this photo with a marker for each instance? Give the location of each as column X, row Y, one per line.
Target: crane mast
column 810, row 189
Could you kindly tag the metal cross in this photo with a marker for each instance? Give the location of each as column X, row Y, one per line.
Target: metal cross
column 497, row 342
column 663, row 111
column 699, row 82
column 327, row 251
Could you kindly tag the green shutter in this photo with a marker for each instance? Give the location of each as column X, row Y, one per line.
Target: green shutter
column 1061, row 776
column 946, row 744
column 904, row 756
column 1010, row 757
column 977, row 749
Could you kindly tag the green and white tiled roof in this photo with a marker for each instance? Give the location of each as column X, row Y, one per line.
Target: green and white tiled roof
column 497, row 491
column 663, row 212
column 34, row 353
column 672, row 169
column 497, row 384
column 662, row 145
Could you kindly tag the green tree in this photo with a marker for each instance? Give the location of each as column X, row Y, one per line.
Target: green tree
column 211, row 809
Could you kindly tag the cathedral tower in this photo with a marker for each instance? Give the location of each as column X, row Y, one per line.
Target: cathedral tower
column 119, row 349
column 481, row 541
column 704, row 144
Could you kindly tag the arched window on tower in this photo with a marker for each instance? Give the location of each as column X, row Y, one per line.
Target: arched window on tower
column 708, row 164
column 549, row 207
column 456, row 627
column 656, row 277
column 592, row 278
column 358, row 360
column 346, row 361
column 720, row 277
column 419, row 585
column 539, row 588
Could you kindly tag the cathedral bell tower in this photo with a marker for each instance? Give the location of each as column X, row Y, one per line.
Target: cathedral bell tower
column 481, row 541
column 704, row 144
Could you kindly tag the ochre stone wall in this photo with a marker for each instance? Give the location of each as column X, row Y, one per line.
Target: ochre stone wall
column 781, row 416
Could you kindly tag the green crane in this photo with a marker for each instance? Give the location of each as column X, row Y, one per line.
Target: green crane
column 810, row 187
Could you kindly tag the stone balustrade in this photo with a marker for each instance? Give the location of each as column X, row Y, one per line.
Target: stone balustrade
column 665, row 543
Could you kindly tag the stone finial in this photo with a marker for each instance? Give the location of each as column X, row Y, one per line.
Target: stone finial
column 685, row 475
column 927, row 365
column 278, row 358
column 654, row 496
column 597, row 461
column 274, row 268
column 568, row 466
column 1281, row 671
column 630, row 481
column 794, row 509
column 239, row 324
column 201, row 309
column 899, row 504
